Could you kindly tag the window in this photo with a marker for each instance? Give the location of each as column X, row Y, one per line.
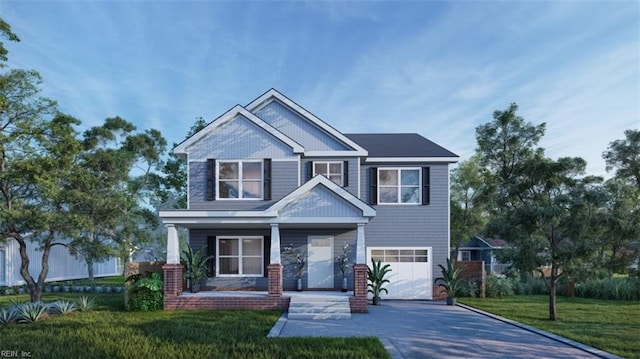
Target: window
column 3, row 265
column 331, row 170
column 465, row 256
column 408, row 255
column 240, row 180
column 398, row 185
column 240, row 256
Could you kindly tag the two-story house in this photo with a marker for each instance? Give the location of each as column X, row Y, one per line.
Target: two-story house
column 271, row 174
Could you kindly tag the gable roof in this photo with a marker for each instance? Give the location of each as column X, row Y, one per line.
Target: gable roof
column 273, row 94
column 320, row 180
column 183, row 147
column 402, row 145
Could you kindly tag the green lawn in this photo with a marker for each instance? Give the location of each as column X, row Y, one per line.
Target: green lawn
column 613, row 326
column 109, row 332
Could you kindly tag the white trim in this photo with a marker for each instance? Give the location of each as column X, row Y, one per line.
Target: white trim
column 231, row 114
column 448, row 212
column 215, row 214
column 412, row 159
column 263, row 100
column 460, row 253
column 239, row 256
column 359, row 183
column 399, row 185
column 332, row 154
column 240, row 180
column 188, row 181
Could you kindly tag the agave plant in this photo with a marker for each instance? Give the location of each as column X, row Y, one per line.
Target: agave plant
column 64, row 307
column 7, row 316
column 196, row 264
column 30, row 312
column 376, row 279
column 85, row 304
column 451, row 280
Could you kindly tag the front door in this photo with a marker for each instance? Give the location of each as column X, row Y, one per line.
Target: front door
column 320, row 269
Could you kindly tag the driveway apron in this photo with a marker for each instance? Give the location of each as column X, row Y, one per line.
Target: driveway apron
column 427, row 329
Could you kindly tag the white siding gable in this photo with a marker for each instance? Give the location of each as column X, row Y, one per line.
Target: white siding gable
column 320, row 202
column 238, row 138
column 311, row 137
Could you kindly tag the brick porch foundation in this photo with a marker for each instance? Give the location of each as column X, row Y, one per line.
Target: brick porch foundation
column 275, row 280
column 358, row 302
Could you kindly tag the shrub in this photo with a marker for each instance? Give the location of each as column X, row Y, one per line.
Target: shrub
column 610, row 288
column 64, row 307
column 530, row 286
column 30, row 312
column 498, row 287
column 85, row 303
column 7, row 316
column 145, row 294
column 470, row 288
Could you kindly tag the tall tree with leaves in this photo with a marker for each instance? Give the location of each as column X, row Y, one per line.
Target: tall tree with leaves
column 172, row 185
column 624, row 157
column 537, row 204
column 467, row 213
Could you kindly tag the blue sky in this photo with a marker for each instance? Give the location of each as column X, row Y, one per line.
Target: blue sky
column 436, row 68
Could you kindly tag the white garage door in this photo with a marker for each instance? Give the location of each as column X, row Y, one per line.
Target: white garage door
column 410, row 276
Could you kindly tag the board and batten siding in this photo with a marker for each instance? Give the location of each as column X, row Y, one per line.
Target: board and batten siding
column 412, row 225
column 284, row 179
column 310, row 136
column 239, row 138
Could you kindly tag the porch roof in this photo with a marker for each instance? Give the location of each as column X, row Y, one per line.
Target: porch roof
column 319, row 202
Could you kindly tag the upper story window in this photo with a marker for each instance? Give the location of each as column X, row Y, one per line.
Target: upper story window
column 331, row 170
column 240, row 180
column 399, row 185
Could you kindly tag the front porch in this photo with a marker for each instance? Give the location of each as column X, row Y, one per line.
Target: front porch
column 252, row 300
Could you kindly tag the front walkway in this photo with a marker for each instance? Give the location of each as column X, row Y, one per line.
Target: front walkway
column 428, row 329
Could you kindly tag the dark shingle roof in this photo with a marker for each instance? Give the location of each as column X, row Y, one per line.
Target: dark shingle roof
column 399, row 145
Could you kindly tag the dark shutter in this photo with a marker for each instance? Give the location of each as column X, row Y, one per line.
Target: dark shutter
column 211, row 179
column 345, row 174
column 309, row 170
column 426, row 179
column 211, row 251
column 267, row 179
column 373, row 180
column 267, row 254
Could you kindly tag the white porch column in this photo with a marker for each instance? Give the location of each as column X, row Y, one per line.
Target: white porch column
column 173, row 247
column 275, row 244
column 361, row 255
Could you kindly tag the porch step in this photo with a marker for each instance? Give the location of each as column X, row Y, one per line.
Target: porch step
column 319, row 307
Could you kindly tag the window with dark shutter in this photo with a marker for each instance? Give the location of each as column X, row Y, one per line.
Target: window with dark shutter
column 211, row 251
column 267, row 179
column 211, row 179
column 309, row 170
column 426, row 184
column 373, row 180
column 267, row 255
column 345, row 174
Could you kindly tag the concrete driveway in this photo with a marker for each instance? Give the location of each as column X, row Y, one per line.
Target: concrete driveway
column 426, row 329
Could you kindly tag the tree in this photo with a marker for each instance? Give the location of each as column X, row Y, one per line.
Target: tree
column 537, row 204
column 5, row 32
column 172, row 185
column 624, row 157
column 618, row 225
column 467, row 214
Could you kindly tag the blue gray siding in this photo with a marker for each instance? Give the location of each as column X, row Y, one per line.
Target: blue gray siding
column 311, row 137
column 239, row 138
column 412, row 225
column 352, row 186
column 295, row 237
column 284, row 179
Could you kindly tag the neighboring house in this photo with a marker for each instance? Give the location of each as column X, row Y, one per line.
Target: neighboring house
column 271, row 174
column 62, row 265
column 483, row 249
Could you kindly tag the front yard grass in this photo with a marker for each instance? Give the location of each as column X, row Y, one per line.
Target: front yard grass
column 110, row 332
column 610, row 325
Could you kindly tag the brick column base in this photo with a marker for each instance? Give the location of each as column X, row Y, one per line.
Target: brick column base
column 358, row 302
column 275, row 280
column 172, row 283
